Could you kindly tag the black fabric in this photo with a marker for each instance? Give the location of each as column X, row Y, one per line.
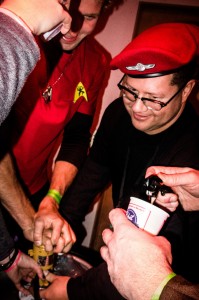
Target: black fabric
column 6, row 242
column 76, row 140
column 180, row 289
column 74, row 205
column 93, row 286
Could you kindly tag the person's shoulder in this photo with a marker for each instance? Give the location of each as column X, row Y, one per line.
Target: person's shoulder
column 115, row 110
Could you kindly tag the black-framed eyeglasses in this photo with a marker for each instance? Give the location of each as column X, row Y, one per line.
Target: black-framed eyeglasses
column 149, row 103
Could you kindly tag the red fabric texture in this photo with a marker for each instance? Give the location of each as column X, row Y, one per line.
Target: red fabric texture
column 166, row 46
column 38, row 125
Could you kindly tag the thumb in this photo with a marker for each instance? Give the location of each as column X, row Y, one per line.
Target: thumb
column 117, row 216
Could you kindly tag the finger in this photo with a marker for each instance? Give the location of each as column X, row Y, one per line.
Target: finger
column 69, row 237
column 22, row 289
column 38, row 232
column 68, row 234
column 50, row 277
column 107, row 235
column 117, row 216
column 57, row 226
column 60, row 245
column 48, row 245
column 167, row 170
column 66, row 240
column 176, row 179
column 104, row 253
column 36, row 269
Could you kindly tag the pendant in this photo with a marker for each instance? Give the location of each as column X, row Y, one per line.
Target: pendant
column 47, row 94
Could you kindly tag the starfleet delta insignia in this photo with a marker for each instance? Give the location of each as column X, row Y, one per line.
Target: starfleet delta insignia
column 80, row 92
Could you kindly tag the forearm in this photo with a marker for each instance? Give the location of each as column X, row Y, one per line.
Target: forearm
column 12, row 195
column 48, row 216
column 63, row 175
column 179, row 288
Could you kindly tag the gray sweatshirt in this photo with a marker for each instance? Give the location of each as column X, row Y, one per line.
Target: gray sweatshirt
column 19, row 54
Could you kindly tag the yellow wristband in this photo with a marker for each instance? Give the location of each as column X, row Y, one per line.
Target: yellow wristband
column 55, row 195
column 156, row 295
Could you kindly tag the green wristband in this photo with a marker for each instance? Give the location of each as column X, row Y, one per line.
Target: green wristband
column 156, row 295
column 55, row 195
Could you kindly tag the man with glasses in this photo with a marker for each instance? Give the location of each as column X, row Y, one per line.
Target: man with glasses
column 150, row 124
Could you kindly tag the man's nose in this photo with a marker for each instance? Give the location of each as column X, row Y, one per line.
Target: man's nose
column 138, row 105
column 77, row 17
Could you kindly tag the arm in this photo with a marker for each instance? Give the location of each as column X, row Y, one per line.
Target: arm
column 14, row 199
column 179, row 288
column 71, row 156
column 93, row 284
column 183, row 181
column 23, row 267
column 19, row 57
column 17, row 265
column 45, row 12
column 142, row 260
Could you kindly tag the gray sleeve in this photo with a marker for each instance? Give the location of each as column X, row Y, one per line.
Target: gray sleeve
column 19, row 54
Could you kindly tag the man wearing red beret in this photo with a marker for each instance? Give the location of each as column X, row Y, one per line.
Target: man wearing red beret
column 150, row 124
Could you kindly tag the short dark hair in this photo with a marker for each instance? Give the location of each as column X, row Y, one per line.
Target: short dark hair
column 186, row 73
column 106, row 4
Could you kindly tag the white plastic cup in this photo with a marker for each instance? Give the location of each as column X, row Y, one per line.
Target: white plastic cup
column 146, row 215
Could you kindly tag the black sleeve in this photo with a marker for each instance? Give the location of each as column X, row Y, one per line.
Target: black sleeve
column 76, row 139
column 6, row 242
column 179, row 288
column 95, row 284
column 91, row 179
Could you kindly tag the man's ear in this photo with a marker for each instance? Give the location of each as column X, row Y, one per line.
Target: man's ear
column 187, row 89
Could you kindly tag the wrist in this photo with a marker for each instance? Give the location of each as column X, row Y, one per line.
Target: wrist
column 7, row 258
column 158, row 291
column 53, row 193
column 6, row 263
column 14, row 264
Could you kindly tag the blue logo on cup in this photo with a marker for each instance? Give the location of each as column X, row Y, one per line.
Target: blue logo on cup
column 131, row 215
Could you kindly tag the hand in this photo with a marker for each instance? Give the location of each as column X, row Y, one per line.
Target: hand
column 48, row 219
column 137, row 261
column 57, row 289
column 183, row 181
column 41, row 15
column 25, row 269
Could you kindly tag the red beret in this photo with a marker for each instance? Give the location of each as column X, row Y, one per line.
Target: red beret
column 159, row 50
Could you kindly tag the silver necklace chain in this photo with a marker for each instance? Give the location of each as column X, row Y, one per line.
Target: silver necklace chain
column 47, row 94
